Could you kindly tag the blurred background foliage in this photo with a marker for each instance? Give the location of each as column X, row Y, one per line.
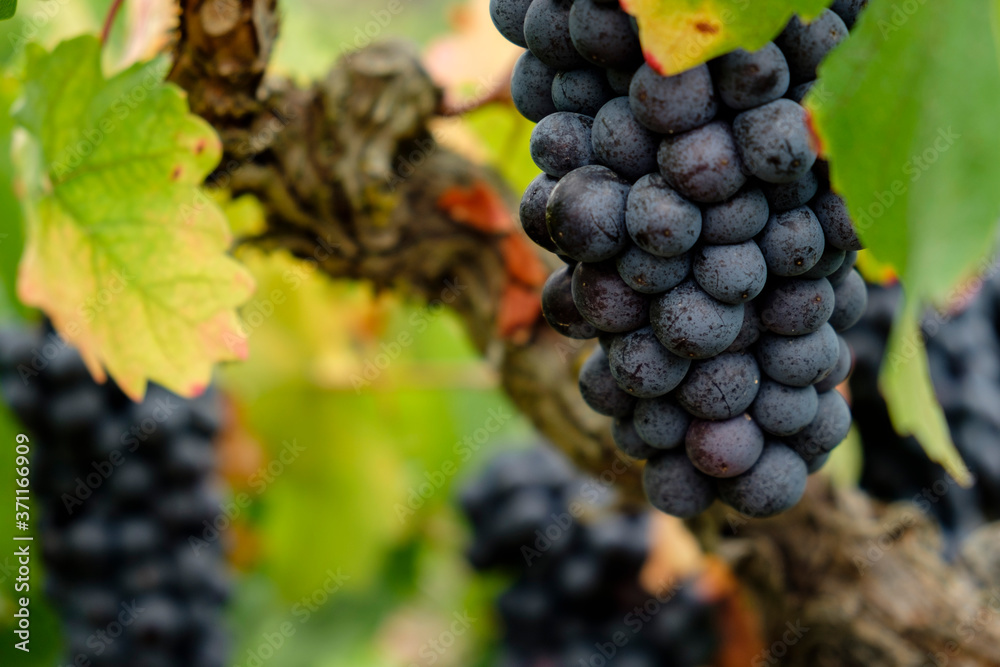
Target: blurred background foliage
column 368, row 396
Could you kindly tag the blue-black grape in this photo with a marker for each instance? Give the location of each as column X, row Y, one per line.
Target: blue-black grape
column 693, row 324
column 620, row 80
column 628, row 441
column 582, row 91
column 806, row 44
column 603, row 35
column 829, row 262
column 840, row 372
column 606, row 301
column 531, row 87
column 661, row 422
column 836, row 221
column 786, row 196
column 585, row 214
column 735, row 220
column 532, row 210
column 799, row 361
column 558, row 307
column 773, row 485
column 796, row 306
column 721, row 387
column 838, row 276
column 561, row 143
column 848, row 10
column 659, row 220
column 730, row 273
column 673, row 485
column 546, row 32
column 599, row 389
column 671, row 104
column 783, row 410
column 621, row 142
column 703, row 164
column 724, row 448
column 652, row 274
column 851, row 299
column 774, row 142
column 643, row 367
column 747, row 79
column 750, row 329
column 792, row 242
column 508, row 17
column 827, row 429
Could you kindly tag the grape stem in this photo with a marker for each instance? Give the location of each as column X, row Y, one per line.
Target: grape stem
column 109, row 19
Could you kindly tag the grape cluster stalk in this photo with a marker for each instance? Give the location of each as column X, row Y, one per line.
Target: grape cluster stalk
column 703, row 245
column 576, row 599
column 126, row 495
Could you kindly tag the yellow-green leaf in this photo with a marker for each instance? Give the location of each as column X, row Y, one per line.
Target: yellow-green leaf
column 124, row 252
column 679, row 34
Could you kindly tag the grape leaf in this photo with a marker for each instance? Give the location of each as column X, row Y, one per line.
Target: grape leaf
column 679, row 34
column 123, row 251
column 7, row 9
column 905, row 111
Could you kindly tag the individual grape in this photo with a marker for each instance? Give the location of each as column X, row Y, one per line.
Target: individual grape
column 827, row 430
column 773, row 141
column 842, row 370
column 582, row 91
column 670, row 104
column 848, row 10
column 797, row 306
column 851, row 299
column 620, row 80
column 747, row 79
column 599, row 389
column 724, row 448
column 546, row 32
column 561, row 143
column 673, row 485
column 829, row 262
column 531, row 87
column 832, row 213
column 702, row 164
column 508, row 17
column 602, row 34
column 585, row 214
column 792, row 242
column 532, row 210
column 643, row 367
column 750, row 330
column 651, row 274
column 806, row 44
column 692, row 324
column 628, row 440
column 735, row 220
column 799, row 361
column 659, row 220
column 782, row 410
column 845, row 269
column 730, row 273
column 721, row 387
column 661, row 422
column 622, row 143
column 773, row 485
column 786, row 196
column 558, row 307
column 605, row 301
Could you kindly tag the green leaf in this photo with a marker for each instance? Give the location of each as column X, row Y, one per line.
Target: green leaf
column 679, row 34
column 124, row 252
column 12, row 225
column 906, row 114
column 7, row 9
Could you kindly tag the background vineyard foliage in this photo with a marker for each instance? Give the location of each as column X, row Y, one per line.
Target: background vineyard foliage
column 343, row 505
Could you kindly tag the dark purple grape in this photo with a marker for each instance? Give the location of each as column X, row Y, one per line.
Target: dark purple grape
column 661, row 422
column 851, row 299
column 735, row 220
column 531, row 87
column 622, row 143
column 829, row 262
column 628, row 440
column 842, row 370
column 582, row 91
column 620, row 80
column 671, row 104
column 546, row 32
column 724, row 448
column 561, row 143
column 773, row 485
column 508, row 17
column 558, row 307
column 750, row 330
column 848, row 10
column 782, row 410
column 792, row 242
column 799, row 361
column 585, row 214
column 651, row 274
column 774, row 142
column 703, row 164
column 747, row 79
column 730, row 273
column 643, row 367
column 796, row 306
column 674, row 486
column 806, row 44
column 831, row 211
column 602, row 34
column 532, row 210
column 605, row 301
column 721, row 387
column 599, row 389
column 692, row 324
column 827, row 430
column 845, row 269
column 786, row 196
column 659, row 220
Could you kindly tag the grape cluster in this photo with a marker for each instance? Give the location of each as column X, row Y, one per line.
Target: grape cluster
column 963, row 350
column 576, row 600
column 703, row 246
column 121, row 488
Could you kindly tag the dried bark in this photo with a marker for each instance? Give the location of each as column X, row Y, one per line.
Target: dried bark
column 351, row 176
